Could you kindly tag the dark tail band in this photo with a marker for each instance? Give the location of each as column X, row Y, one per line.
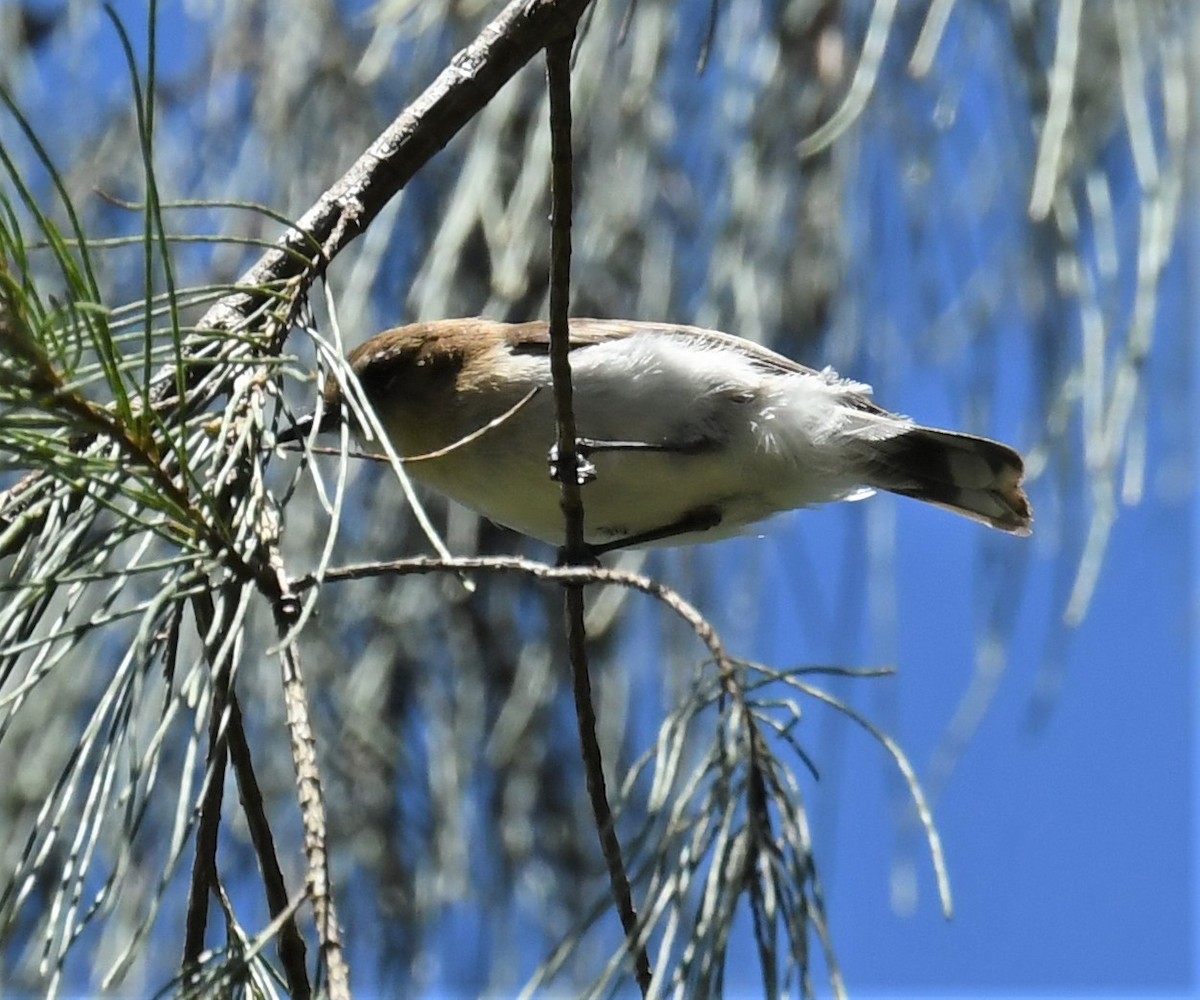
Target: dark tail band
column 973, row 476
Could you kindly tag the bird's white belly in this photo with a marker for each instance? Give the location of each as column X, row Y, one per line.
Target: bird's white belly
column 633, row 492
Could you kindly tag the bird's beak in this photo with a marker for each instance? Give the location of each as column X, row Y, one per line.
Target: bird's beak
column 302, row 429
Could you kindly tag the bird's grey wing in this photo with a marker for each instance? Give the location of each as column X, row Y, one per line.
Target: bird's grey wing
column 534, row 338
column 529, row 338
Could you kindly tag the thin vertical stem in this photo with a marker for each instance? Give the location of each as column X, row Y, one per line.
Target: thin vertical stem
column 575, row 551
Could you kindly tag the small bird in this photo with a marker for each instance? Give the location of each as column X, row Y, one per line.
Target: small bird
column 689, row 435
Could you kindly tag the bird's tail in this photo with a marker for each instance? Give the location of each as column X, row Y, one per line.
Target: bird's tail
column 973, row 476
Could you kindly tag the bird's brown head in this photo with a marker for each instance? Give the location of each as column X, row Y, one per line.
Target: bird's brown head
column 414, row 369
column 411, row 365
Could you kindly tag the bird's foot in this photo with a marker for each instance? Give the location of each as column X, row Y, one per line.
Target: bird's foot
column 585, row 471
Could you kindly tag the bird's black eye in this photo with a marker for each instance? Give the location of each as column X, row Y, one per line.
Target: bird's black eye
column 377, row 380
column 373, row 382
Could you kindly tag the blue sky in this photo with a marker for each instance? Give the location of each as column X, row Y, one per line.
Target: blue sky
column 1069, row 816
